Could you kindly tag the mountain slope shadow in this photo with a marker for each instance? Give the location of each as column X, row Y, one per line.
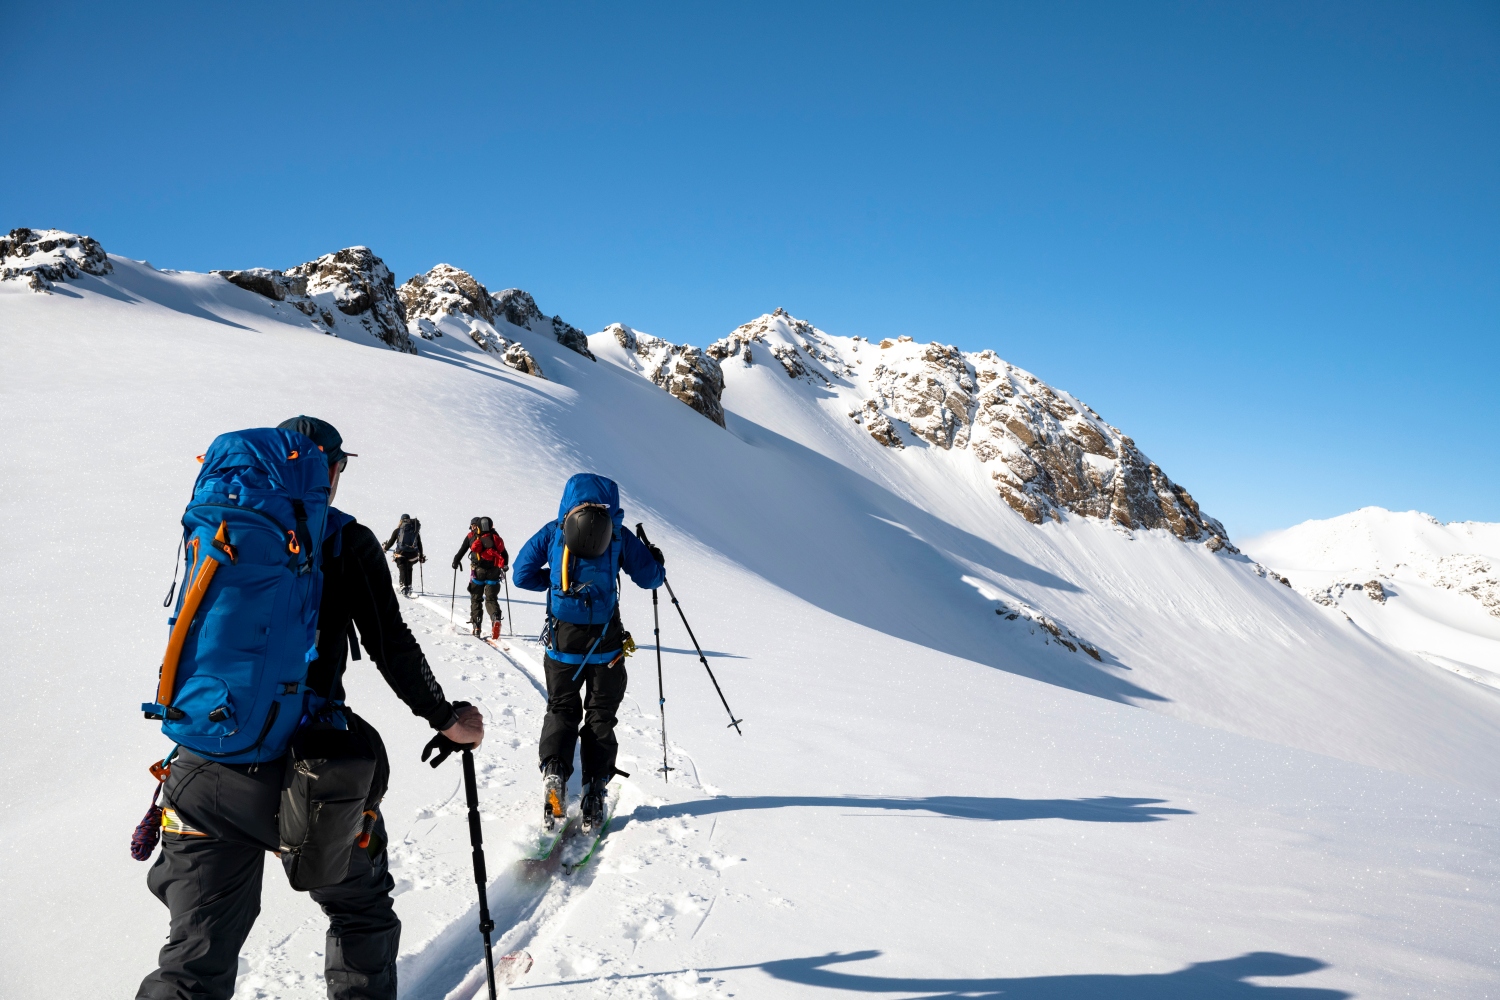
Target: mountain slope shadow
column 1102, row 809
column 1221, row 980
column 871, row 556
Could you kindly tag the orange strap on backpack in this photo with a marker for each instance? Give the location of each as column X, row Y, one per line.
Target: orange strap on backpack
column 165, row 688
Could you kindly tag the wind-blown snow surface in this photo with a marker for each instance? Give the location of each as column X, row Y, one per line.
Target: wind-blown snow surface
column 1406, row 578
column 927, row 799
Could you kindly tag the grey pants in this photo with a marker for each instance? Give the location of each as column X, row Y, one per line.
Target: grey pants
column 210, row 881
column 484, row 595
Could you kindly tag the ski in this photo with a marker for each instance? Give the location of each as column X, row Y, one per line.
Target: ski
column 598, row 838
column 547, row 841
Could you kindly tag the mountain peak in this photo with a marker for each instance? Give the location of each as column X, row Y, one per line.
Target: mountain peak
column 43, row 256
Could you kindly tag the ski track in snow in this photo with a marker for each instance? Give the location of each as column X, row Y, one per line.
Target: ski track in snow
column 529, row 903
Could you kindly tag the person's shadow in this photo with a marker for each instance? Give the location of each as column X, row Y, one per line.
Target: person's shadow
column 1225, row 979
column 1221, row 980
column 1100, row 809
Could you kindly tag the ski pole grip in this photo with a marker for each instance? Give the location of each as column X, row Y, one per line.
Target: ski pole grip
column 640, row 532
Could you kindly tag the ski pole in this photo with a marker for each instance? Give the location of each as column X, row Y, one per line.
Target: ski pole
column 442, row 746
column 661, row 696
column 476, row 837
column 640, row 531
column 422, row 576
column 453, row 595
column 508, row 615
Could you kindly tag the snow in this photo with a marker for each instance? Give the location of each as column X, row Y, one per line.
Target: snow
column 1439, row 584
column 1245, row 793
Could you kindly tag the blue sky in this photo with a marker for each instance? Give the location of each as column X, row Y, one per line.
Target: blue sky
column 1263, row 239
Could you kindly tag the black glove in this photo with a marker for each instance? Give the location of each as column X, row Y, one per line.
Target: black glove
column 442, row 745
column 457, row 561
column 421, row 559
column 661, row 560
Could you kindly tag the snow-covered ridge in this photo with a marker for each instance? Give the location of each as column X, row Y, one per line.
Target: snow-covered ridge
column 42, row 256
column 1417, row 583
column 1041, row 449
column 353, row 280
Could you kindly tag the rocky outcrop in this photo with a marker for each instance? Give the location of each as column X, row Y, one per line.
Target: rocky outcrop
column 449, row 297
column 518, row 308
column 354, row 281
column 769, row 334
column 1043, row 451
column 446, row 291
column 683, row 370
column 1467, row 574
column 41, row 256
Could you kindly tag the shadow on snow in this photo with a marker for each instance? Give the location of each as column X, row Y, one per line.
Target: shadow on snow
column 1225, row 979
column 1101, row 809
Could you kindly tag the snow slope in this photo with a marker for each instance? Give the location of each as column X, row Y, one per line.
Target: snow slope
column 929, row 799
column 1436, row 586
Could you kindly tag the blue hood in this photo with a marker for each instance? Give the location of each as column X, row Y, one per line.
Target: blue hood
column 586, row 487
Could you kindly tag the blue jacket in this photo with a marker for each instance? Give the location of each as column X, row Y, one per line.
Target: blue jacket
column 538, row 565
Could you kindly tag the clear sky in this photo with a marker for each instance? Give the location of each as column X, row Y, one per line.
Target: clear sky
column 1263, row 239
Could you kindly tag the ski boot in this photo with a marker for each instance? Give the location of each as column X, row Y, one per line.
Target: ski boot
column 554, row 783
column 406, row 592
column 591, row 809
column 494, row 630
column 476, row 628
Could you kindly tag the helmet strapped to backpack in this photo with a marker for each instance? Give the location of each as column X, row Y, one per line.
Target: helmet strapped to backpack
column 587, row 530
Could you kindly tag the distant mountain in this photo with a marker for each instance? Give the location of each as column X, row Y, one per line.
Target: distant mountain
column 1407, row 578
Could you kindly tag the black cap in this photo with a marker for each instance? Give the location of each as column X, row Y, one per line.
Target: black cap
column 322, row 433
column 406, row 517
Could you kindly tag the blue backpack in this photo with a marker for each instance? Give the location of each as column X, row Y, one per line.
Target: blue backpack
column 233, row 683
column 585, row 591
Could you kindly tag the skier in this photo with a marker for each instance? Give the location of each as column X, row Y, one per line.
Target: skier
column 407, row 538
column 488, row 562
column 221, row 819
column 577, row 560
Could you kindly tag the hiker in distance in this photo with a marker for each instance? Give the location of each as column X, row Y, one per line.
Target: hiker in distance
column 488, row 562
column 577, row 559
column 407, row 539
column 221, row 801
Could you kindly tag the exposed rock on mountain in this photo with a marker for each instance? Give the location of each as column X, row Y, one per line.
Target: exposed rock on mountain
column 1467, row 574
column 447, row 297
column 518, row 308
column 354, row 281
column 683, row 370
column 770, row 333
column 42, row 256
column 1044, row 450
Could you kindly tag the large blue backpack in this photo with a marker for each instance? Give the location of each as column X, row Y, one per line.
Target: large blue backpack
column 233, row 684
column 585, row 591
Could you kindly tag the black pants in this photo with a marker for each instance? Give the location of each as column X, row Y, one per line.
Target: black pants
column 488, row 592
column 210, row 881
column 566, row 709
column 404, row 563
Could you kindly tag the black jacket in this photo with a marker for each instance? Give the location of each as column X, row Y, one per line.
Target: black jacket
column 396, row 535
column 357, row 594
